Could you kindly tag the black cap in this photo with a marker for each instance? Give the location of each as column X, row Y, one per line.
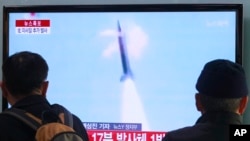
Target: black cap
column 222, row 79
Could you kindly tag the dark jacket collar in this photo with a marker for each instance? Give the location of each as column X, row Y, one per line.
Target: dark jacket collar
column 30, row 100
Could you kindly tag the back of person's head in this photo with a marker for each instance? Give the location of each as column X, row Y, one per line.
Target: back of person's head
column 24, row 72
column 221, row 85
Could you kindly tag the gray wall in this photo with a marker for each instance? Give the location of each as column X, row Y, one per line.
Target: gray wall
column 246, row 4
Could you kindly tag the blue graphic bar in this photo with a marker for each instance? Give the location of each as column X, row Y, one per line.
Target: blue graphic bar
column 112, row 126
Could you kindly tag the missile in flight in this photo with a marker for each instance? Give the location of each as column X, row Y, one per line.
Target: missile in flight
column 127, row 73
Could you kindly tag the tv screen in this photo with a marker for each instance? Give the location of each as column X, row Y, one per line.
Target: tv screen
column 126, row 67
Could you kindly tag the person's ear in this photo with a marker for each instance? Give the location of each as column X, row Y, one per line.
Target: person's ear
column 243, row 105
column 198, row 104
column 44, row 88
column 5, row 91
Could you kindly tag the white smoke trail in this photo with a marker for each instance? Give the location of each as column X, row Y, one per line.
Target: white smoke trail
column 132, row 107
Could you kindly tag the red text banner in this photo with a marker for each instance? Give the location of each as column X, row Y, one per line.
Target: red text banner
column 32, row 23
column 109, row 135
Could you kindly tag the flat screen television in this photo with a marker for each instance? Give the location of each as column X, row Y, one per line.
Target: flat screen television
column 123, row 65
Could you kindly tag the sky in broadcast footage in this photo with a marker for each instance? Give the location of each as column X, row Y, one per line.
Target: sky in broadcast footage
column 166, row 53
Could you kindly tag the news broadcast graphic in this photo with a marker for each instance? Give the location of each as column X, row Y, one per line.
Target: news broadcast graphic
column 32, row 26
column 125, row 136
column 239, row 132
column 112, row 126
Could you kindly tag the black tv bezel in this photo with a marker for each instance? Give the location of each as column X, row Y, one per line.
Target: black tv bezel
column 238, row 8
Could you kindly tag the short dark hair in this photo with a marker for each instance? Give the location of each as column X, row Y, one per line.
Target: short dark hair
column 213, row 104
column 23, row 72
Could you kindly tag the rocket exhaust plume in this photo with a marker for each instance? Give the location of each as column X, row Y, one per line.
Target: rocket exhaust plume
column 132, row 106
